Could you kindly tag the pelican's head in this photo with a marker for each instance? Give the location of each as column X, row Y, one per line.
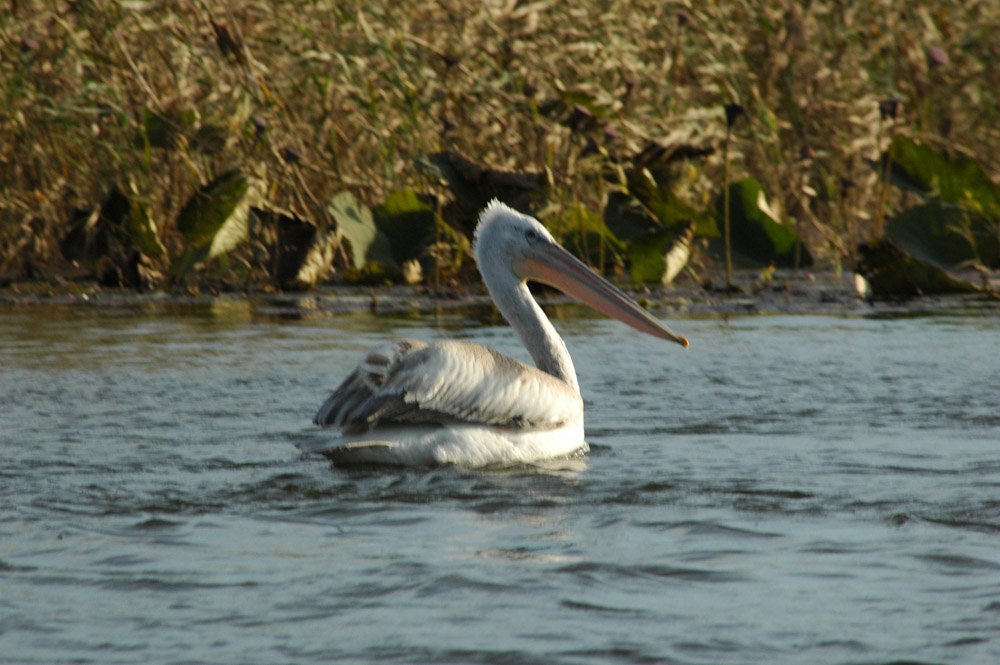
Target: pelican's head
column 511, row 245
column 508, row 238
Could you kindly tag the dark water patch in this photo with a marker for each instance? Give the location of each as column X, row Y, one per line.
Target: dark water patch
column 916, row 470
column 168, row 504
column 157, row 524
column 601, row 609
column 294, row 619
column 594, row 571
column 7, row 567
column 224, row 464
column 978, row 513
column 529, row 553
column 906, row 662
column 765, row 500
column 14, row 622
column 446, row 656
column 966, row 641
column 123, row 560
column 845, row 645
column 498, row 506
column 898, row 519
column 647, row 493
column 452, row 582
column 773, row 493
column 957, row 564
column 734, row 424
column 966, row 524
column 281, row 491
column 331, row 513
column 720, row 646
column 169, row 584
column 623, row 653
column 700, row 529
column 395, row 520
column 142, row 582
column 372, row 593
column 988, row 422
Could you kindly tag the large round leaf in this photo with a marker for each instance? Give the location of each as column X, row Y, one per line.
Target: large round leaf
column 758, row 238
column 407, row 222
column 892, row 273
column 950, row 178
column 356, row 225
column 213, row 211
column 945, row 234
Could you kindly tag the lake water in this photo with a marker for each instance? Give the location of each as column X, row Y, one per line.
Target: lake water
column 821, row 489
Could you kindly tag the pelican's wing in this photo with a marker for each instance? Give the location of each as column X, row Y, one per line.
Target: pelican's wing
column 411, row 382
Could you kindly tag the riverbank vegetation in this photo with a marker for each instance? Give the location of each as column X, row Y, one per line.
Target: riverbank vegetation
column 277, row 145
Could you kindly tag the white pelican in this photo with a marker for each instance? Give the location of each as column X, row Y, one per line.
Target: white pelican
column 449, row 402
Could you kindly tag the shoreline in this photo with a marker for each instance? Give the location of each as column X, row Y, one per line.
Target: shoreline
column 785, row 293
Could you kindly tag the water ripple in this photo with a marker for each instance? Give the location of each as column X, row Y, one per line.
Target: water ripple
column 594, row 571
column 793, row 489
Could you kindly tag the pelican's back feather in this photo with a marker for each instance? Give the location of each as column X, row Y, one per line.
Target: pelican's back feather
column 410, row 382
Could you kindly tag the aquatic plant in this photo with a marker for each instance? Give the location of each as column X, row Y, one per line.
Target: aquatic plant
column 158, row 101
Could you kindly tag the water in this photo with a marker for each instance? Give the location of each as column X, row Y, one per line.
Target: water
column 821, row 489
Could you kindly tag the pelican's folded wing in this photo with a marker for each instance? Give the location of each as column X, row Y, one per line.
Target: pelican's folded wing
column 411, row 382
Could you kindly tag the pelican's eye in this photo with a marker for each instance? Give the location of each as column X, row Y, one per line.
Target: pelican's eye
column 532, row 235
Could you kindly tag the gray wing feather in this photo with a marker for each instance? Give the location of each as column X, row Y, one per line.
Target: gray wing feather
column 410, row 382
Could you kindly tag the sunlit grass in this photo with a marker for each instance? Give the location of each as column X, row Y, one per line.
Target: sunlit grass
column 333, row 96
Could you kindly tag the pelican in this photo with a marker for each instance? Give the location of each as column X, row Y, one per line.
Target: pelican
column 415, row 403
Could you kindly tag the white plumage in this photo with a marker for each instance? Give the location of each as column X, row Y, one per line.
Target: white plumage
column 452, row 402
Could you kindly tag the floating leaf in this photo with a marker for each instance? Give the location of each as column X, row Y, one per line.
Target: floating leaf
column 211, row 207
column 758, row 238
column 407, row 222
column 475, row 185
column 945, row 234
column 952, row 178
column 661, row 256
column 367, row 243
column 892, row 273
column 215, row 220
column 646, row 257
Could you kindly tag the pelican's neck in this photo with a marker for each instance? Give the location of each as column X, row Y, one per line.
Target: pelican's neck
column 539, row 337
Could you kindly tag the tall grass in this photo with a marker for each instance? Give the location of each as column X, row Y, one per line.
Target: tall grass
column 156, row 97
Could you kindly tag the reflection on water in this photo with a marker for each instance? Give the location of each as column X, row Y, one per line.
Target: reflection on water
column 790, row 489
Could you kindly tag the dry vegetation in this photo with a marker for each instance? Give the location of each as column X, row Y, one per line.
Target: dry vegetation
column 157, row 97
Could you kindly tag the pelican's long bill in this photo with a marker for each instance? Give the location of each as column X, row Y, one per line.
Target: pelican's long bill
column 553, row 265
